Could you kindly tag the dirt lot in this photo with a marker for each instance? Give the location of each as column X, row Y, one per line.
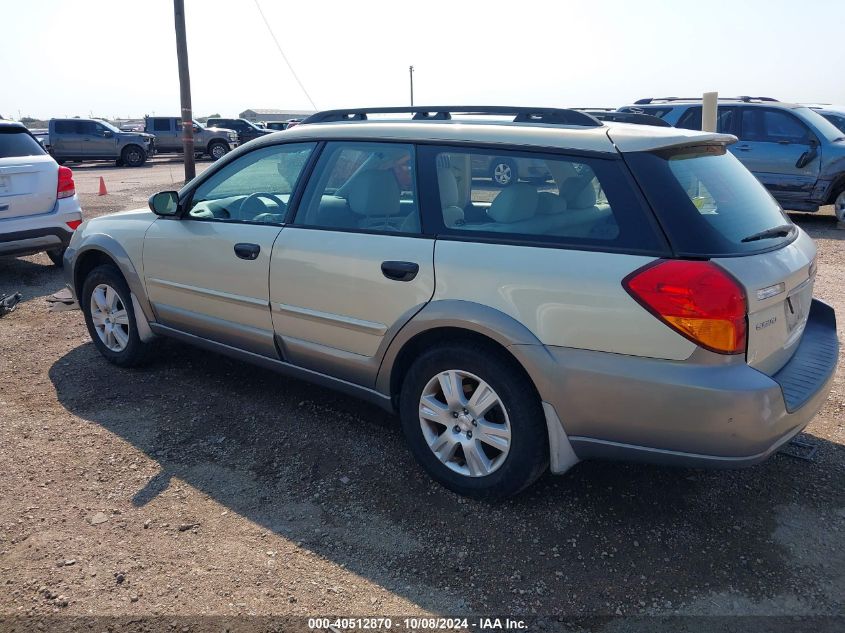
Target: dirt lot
column 200, row 485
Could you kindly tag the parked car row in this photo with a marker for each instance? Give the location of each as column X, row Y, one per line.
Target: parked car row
column 796, row 151
column 632, row 293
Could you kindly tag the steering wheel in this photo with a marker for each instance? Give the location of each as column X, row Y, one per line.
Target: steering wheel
column 262, row 194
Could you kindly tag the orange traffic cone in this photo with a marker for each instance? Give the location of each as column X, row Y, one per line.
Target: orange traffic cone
column 103, row 191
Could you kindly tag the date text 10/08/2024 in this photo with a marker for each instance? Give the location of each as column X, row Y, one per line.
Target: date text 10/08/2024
column 418, row 623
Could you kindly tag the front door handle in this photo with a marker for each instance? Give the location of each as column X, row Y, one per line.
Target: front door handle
column 248, row 251
column 400, row 271
column 743, row 148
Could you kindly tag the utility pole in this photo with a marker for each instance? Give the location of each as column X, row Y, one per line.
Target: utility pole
column 185, row 89
column 411, row 73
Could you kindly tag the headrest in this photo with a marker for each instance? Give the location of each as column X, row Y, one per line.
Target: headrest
column 579, row 193
column 517, row 202
column 374, row 193
column 549, row 203
column 448, row 187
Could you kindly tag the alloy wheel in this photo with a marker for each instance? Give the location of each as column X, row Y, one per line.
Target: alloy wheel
column 502, row 173
column 110, row 318
column 464, row 423
column 839, row 206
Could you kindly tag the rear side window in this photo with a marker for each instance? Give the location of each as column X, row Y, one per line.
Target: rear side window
column 15, row 142
column 161, row 125
column 546, row 198
column 364, row 187
column 707, row 201
column 725, row 119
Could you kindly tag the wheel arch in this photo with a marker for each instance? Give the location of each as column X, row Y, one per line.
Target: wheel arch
column 451, row 320
column 102, row 249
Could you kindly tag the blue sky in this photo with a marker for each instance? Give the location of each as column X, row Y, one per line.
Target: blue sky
column 117, row 58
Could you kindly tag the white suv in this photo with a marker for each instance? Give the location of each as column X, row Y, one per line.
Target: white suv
column 648, row 300
column 39, row 209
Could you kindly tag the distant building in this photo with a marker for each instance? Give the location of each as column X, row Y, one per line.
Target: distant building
column 269, row 114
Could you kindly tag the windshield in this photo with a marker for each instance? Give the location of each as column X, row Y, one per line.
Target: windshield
column 821, row 124
column 15, row 142
column 708, row 203
column 107, row 125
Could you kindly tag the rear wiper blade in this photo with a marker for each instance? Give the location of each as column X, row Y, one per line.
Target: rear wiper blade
column 776, row 231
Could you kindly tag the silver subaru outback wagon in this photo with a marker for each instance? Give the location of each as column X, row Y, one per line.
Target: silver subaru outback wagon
column 646, row 299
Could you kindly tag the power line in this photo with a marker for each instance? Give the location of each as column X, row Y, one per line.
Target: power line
column 285, row 57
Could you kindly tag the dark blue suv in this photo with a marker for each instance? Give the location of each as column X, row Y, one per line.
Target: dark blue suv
column 793, row 150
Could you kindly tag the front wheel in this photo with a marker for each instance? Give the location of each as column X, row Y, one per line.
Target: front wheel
column 133, row 156
column 839, row 208
column 107, row 305
column 218, row 150
column 473, row 420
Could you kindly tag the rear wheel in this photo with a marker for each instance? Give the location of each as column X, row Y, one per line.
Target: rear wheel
column 107, row 305
column 503, row 172
column 474, row 421
column 133, row 156
column 56, row 256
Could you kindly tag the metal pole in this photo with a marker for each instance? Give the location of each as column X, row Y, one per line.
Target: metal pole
column 184, row 89
column 411, row 72
column 709, row 106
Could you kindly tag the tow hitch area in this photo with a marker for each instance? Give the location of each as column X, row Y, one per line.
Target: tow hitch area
column 800, row 449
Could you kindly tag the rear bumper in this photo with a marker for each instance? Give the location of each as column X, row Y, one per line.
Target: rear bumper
column 36, row 233
column 708, row 411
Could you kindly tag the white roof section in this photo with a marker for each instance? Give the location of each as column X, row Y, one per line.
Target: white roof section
column 607, row 138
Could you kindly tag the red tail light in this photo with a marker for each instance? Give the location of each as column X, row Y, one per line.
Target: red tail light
column 66, row 187
column 697, row 299
column 74, row 224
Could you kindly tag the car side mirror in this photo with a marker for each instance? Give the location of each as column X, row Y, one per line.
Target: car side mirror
column 164, row 203
column 108, row 134
column 807, row 157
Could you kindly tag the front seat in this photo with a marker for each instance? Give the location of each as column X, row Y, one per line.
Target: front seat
column 375, row 195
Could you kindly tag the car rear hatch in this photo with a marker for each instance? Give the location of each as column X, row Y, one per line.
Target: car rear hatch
column 711, row 207
column 28, row 175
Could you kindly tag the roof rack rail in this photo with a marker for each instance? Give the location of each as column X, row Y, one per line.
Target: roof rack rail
column 628, row 117
column 552, row 116
column 744, row 98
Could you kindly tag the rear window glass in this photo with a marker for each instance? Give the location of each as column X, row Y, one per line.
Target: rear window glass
column 707, row 202
column 17, row 142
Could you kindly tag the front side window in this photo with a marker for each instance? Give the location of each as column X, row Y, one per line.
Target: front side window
column 548, row 198
column 773, row 126
column 362, row 186
column 255, row 188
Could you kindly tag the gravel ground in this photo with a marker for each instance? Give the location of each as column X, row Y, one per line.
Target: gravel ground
column 201, row 485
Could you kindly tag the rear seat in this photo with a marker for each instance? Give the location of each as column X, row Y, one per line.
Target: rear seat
column 521, row 209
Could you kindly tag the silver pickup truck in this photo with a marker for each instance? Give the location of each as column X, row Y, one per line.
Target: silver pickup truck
column 92, row 139
column 214, row 141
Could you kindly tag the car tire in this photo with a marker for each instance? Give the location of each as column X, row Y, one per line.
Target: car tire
column 133, row 156
column 57, row 256
column 114, row 301
column 484, row 454
column 839, row 208
column 503, row 172
column 217, row 150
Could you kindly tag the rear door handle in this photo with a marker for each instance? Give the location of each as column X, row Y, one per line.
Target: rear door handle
column 743, row 148
column 400, row 271
column 247, row 251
